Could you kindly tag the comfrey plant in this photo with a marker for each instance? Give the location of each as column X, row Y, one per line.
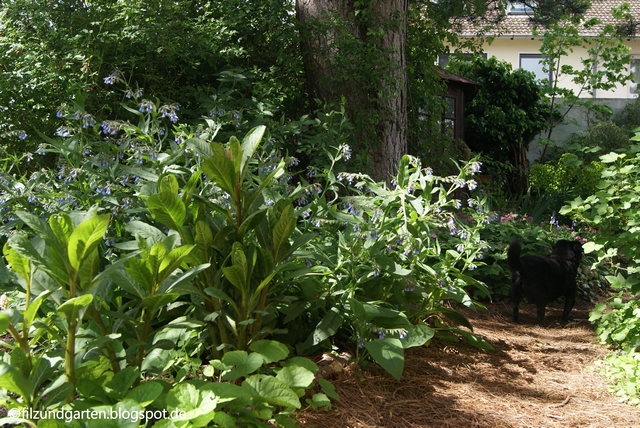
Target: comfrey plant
column 384, row 273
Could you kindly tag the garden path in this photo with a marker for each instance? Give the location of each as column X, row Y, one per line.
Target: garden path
column 535, row 378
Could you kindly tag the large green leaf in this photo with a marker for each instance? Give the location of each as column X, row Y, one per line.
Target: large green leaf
column 243, row 362
column 250, row 143
column 38, row 225
column 271, row 350
column 71, row 307
column 199, row 146
column 177, row 282
column 417, row 335
column 5, row 322
column 199, row 406
column 41, row 372
column 12, row 380
column 139, row 272
column 168, row 209
column 144, row 230
column 296, row 377
column 282, row 232
column 85, row 238
column 123, row 280
column 145, row 393
column 156, row 301
column 121, row 382
column 220, row 169
column 387, row 352
column 173, row 260
column 169, row 183
column 62, row 227
column 56, row 392
column 326, row 328
column 273, row 391
column 19, row 264
column 122, row 409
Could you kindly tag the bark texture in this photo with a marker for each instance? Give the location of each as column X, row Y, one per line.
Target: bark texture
column 356, row 52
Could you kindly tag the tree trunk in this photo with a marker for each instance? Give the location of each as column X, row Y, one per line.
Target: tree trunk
column 357, row 54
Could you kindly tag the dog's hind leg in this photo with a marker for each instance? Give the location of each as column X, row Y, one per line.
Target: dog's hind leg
column 540, row 314
column 516, row 294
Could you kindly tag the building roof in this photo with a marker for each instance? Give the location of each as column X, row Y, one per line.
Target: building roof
column 519, row 25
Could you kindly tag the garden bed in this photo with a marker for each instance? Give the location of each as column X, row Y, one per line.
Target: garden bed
column 535, row 378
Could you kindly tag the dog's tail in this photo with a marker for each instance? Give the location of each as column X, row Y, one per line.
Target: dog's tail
column 513, row 256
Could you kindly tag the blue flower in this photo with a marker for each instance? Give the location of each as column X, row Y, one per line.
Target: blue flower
column 22, row 135
column 112, row 78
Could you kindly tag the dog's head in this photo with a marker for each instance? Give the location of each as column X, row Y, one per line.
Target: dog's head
column 568, row 250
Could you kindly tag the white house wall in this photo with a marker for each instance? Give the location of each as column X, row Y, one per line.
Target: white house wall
column 509, row 49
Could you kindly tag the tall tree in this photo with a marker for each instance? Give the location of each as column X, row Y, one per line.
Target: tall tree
column 356, row 51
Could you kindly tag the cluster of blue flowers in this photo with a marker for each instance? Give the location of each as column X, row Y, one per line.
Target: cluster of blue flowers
column 133, row 94
column 169, row 111
column 114, row 77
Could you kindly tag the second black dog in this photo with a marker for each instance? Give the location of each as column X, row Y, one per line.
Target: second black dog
column 545, row 279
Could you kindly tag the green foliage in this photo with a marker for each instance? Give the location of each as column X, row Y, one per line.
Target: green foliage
column 569, row 178
column 174, row 51
column 623, row 371
column 629, row 118
column 604, row 66
column 602, row 137
column 505, row 115
column 613, row 209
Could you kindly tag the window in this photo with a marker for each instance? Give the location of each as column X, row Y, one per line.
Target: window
column 518, row 8
column 533, row 63
column 449, row 116
column 634, row 85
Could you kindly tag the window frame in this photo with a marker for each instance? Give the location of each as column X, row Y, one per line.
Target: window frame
column 531, row 56
column 518, row 8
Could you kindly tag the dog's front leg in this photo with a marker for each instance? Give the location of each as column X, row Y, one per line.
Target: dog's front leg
column 569, row 301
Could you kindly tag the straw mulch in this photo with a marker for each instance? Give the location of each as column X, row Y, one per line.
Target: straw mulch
column 535, row 378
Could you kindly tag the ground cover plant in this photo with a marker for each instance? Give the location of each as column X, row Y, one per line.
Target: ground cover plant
column 613, row 210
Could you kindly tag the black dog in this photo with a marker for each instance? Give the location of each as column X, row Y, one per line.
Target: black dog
column 545, row 279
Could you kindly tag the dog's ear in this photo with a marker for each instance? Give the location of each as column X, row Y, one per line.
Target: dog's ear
column 577, row 247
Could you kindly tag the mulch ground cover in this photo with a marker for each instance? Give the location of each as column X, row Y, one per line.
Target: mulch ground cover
column 535, row 378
